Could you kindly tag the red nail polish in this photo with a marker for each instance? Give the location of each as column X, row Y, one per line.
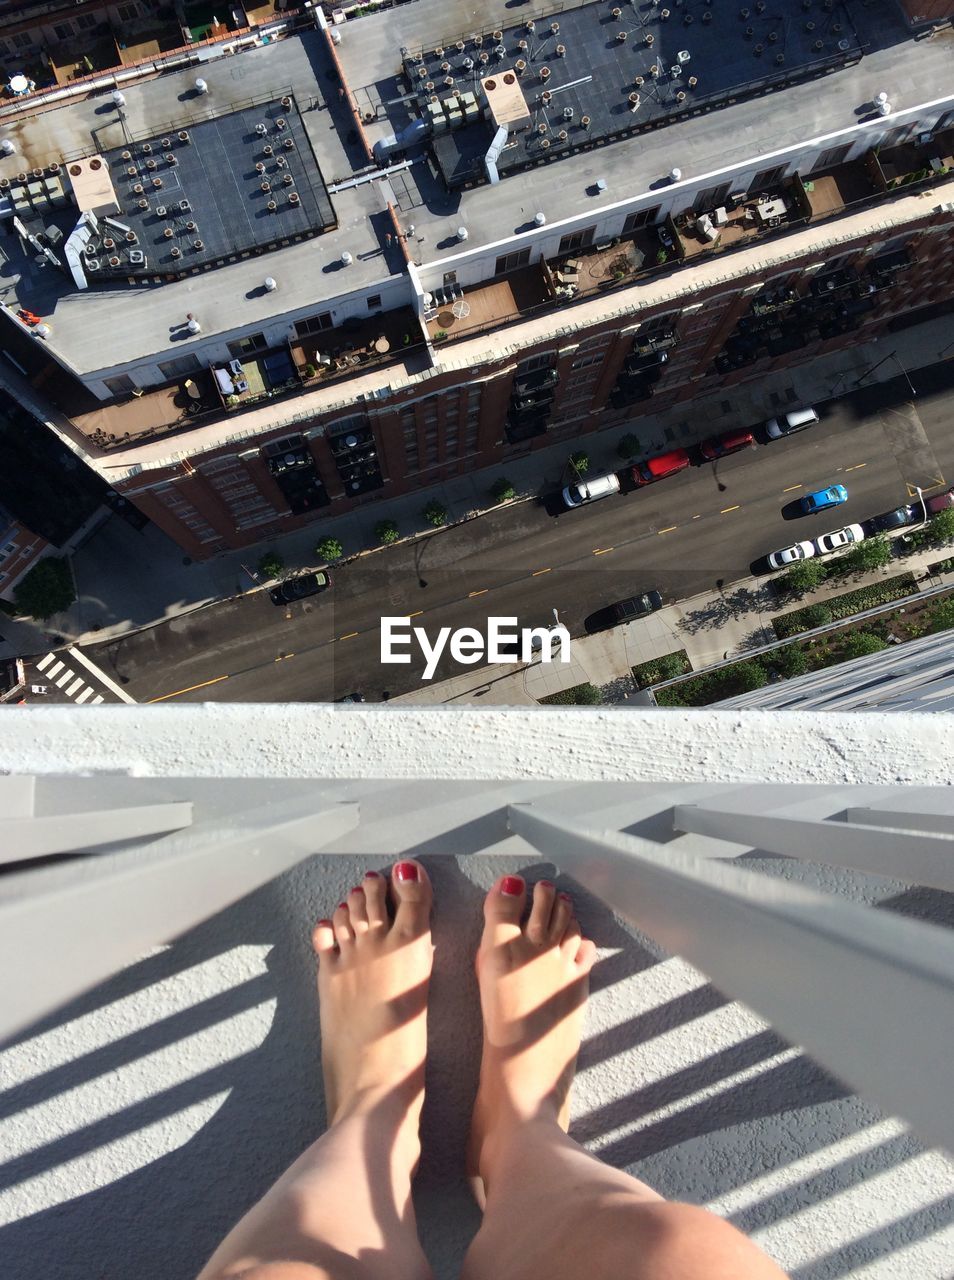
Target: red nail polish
column 323, row 922
column 546, row 883
column 512, row 886
column 566, row 897
column 357, row 889
column 405, row 871
column 372, row 875
column 342, row 906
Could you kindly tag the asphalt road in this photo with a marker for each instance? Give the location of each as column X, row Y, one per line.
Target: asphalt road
column 682, row 536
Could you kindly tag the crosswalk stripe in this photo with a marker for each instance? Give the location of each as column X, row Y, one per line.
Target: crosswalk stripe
column 77, row 683
column 87, row 693
column 67, row 675
column 99, row 698
column 45, row 662
column 53, row 670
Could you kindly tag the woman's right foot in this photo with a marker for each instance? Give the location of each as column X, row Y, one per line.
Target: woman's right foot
column 534, row 982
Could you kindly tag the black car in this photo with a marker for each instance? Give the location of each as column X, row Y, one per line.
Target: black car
column 896, row 519
column 351, row 697
column 307, row 584
column 637, row 606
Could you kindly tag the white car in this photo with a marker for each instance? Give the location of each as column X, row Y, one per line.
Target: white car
column 839, row 539
column 791, row 555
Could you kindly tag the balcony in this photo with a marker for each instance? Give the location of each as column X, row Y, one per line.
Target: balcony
column 177, row 998
column 830, row 190
column 358, row 344
column 917, row 162
column 500, row 301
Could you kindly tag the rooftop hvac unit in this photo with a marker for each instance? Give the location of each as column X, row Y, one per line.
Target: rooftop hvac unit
column 261, row 129
column 184, row 206
column 160, row 210
column 682, row 55
column 91, row 264
column 137, row 258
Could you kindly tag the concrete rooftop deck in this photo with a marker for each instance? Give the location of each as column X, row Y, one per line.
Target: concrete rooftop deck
column 140, row 1121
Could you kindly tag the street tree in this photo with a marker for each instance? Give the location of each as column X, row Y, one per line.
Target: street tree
column 46, row 589
column 804, row 576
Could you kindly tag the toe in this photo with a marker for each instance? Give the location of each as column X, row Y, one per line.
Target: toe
column 357, row 910
column 560, row 917
column 586, row 956
column 571, row 939
column 503, row 908
column 412, row 895
column 341, row 921
column 538, row 926
column 375, row 888
column 323, row 938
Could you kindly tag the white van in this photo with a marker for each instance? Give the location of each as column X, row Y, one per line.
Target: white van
column 789, row 423
column 574, row 495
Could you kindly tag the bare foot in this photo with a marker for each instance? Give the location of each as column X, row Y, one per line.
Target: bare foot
column 534, row 982
column 373, row 976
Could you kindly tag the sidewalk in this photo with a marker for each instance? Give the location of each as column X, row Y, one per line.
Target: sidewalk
column 127, row 580
column 709, row 627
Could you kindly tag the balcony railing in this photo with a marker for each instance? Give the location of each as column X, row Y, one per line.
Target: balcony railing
column 869, row 993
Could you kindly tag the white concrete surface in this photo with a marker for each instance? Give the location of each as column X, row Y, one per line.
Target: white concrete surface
column 137, row 1124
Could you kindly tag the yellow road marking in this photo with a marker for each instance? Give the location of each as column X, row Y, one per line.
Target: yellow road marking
column 282, row 656
column 913, row 488
column 725, row 510
column 416, row 614
column 536, row 573
column 791, row 488
column 856, row 467
column 348, row 636
column 699, row 517
column 669, row 529
column 190, row 689
column 603, row 551
column 482, row 592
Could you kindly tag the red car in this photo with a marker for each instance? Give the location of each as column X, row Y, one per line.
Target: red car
column 940, row 502
column 730, row 442
column 666, row 464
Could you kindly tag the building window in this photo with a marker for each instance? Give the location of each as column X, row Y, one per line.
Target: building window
column 128, row 12
column 121, row 385
column 577, row 240
column 641, row 218
column 313, row 324
column 246, row 346
column 712, row 197
column 374, row 302
column 23, row 40
column 62, row 30
column 511, row 261
column 768, row 177
column 533, row 363
column 86, row 20
column 834, row 155
column 450, row 277
column 180, row 367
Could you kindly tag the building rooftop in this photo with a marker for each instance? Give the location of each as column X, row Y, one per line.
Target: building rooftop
column 230, row 299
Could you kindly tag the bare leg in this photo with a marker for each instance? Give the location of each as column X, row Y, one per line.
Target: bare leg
column 343, row 1211
column 551, row 1210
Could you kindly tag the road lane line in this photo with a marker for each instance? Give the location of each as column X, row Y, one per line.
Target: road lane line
column 416, row 614
column 190, row 689
column 603, row 551
column 350, row 636
column 536, row 573
column 725, row 510
column 100, row 675
column 856, row 467
column 699, row 517
column 791, row 488
column 55, row 671
column 482, row 592
column 668, row 529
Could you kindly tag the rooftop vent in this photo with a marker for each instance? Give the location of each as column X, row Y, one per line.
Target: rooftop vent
column 286, row 102
column 137, row 257
column 539, row 219
column 261, row 130
column 289, row 144
column 166, row 144
column 127, row 155
column 176, row 251
column 198, row 245
column 160, row 210
column 272, row 206
column 119, row 99
column 271, row 284
column 281, row 123
column 462, row 233
column 92, row 264
column 184, row 206
column 115, row 261
column 183, row 135
column 170, row 158
column 201, row 86
column 157, row 183
column 346, row 259
column 192, row 324
column 294, row 198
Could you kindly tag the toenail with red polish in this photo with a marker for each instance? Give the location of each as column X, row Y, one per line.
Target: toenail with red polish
column 357, row 889
column 372, row 875
column 405, row 871
column 512, row 886
column 548, row 884
column 566, row 897
column 323, row 922
column 342, row 906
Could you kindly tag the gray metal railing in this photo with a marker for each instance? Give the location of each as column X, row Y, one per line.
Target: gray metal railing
column 869, row 993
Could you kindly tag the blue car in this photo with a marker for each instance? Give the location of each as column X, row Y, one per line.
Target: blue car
column 822, row 499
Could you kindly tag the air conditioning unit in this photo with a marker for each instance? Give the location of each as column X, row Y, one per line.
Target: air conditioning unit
column 160, row 210
column 137, row 258
column 184, row 206
column 91, row 264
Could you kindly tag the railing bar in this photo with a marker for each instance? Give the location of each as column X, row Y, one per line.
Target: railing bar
column 75, row 833
column 903, row 820
column 919, row 859
column 63, row 935
column 868, row 993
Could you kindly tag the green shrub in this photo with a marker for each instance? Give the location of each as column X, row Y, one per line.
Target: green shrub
column 386, row 531
column 435, row 513
column 942, row 616
column 669, row 667
column 580, row 463
column 581, row 695
column 844, row 606
column 271, row 565
column 713, row 686
column 942, row 566
column 502, row 490
column 804, row 576
column 941, row 526
column 790, row 661
column 309, row 371
column 873, row 553
column 859, row 643
column 329, row 549
column 46, row 589
column 628, row 447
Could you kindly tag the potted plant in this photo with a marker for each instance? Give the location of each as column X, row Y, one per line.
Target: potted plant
column 662, row 256
column 309, row 370
column 440, row 335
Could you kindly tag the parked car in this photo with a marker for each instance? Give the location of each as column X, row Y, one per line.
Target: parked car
column 940, row 502
column 788, row 423
column 896, row 519
column 351, row 697
column 839, row 539
column 306, row 584
column 581, row 491
column 822, row 499
column 728, row 442
column 665, row 464
column 637, row 606
column 791, row 555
